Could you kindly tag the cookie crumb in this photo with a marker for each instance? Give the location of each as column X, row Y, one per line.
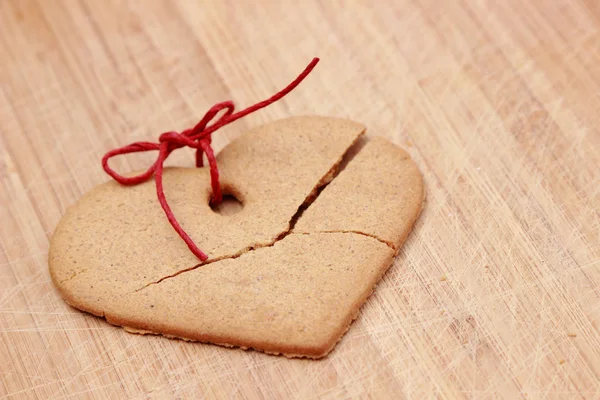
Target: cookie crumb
column 443, row 278
column 561, row 362
column 572, row 335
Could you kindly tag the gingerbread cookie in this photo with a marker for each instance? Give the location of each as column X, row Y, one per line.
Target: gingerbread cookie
column 267, row 284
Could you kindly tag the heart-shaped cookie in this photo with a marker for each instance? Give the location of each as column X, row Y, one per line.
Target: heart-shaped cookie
column 286, row 274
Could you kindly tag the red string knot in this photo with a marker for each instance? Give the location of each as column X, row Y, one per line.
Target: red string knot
column 199, row 138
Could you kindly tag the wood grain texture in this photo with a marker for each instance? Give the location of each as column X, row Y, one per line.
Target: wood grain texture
column 496, row 294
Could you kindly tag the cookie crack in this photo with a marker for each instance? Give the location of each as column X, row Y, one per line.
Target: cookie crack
column 386, row 242
column 347, row 157
column 73, row 275
column 292, row 223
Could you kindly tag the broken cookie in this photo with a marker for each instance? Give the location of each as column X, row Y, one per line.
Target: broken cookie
column 276, row 279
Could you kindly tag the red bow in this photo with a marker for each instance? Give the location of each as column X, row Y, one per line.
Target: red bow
column 199, row 138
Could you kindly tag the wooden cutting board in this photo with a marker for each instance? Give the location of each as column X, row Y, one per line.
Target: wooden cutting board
column 495, row 294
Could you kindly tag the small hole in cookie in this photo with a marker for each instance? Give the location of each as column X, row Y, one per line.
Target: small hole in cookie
column 229, row 206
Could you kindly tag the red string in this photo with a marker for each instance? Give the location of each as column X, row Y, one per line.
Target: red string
column 199, row 138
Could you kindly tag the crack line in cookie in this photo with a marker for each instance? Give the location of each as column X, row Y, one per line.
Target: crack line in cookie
column 346, row 158
column 73, row 275
column 387, row 243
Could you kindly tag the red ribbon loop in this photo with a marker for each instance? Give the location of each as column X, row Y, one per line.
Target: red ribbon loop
column 199, row 138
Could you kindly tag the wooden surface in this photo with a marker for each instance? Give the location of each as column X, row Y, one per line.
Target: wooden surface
column 496, row 293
